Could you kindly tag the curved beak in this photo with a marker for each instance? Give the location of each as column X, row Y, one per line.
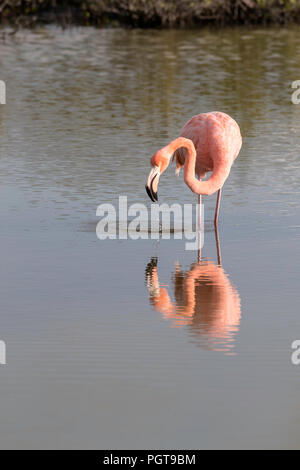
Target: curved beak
column 152, row 183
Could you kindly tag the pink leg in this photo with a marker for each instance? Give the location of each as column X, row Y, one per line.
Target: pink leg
column 218, row 207
column 199, row 227
column 218, row 246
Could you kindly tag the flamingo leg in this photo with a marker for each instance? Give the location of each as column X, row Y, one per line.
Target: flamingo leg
column 218, row 208
column 218, row 246
column 199, row 227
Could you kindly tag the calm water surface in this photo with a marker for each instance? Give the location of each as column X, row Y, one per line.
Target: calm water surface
column 133, row 344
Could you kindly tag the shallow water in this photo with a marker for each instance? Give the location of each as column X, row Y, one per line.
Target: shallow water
column 132, row 344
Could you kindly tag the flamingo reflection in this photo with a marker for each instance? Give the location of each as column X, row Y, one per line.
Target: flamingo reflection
column 204, row 300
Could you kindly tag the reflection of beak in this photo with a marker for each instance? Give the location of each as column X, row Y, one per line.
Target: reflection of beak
column 152, row 183
column 149, row 271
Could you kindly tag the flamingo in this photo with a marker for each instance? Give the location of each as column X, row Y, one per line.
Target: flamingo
column 207, row 142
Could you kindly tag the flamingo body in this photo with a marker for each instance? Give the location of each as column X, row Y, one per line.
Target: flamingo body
column 217, row 141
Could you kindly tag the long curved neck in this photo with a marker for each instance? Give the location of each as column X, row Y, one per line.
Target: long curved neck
column 207, row 187
column 190, row 161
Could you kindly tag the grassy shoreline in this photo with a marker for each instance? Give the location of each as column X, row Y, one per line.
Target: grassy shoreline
column 150, row 13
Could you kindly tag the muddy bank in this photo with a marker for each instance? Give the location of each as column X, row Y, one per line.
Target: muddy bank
column 150, row 13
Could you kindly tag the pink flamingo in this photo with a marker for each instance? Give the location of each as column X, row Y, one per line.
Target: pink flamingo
column 207, row 142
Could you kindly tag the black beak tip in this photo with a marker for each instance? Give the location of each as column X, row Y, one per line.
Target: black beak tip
column 155, row 197
column 149, row 193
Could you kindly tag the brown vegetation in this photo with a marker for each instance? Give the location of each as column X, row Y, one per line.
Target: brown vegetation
column 150, row 13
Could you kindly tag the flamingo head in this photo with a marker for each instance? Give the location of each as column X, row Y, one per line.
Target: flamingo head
column 159, row 162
